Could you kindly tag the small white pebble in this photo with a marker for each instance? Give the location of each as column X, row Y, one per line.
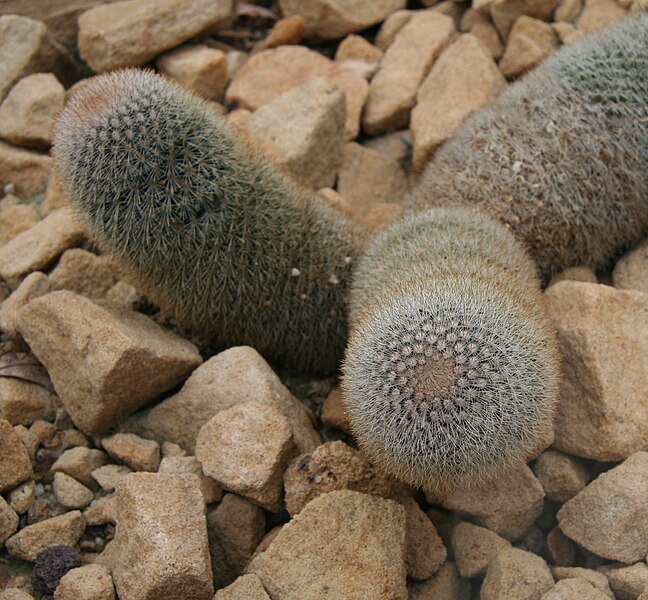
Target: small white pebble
column 295, row 272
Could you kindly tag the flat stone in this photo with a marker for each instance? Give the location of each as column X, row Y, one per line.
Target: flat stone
column 246, row 587
column 627, row 583
column 603, row 337
column 246, row 449
column 8, row 521
column 529, row 43
column 515, row 573
column 23, row 402
column 36, row 284
column 15, row 463
column 505, row 12
column 615, row 501
column 392, row 92
column 463, row 79
column 63, row 530
column 109, row 476
column 70, row 493
column 136, row 452
column 631, row 271
column 231, row 378
column 25, row 170
column 40, row 245
column 598, row 580
column 574, row 589
column 28, row 113
column 331, row 19
column 212, row 492
column 366, row 561
column 562, row 476
column 446, row 584
column 84, row 273
column 596, row 14
column 16, row 219
column 474, row 547
column 198, row 67
column 79, row 463
column 89, row 582
column 131, row 33
column 161, row 538
column 105, row 362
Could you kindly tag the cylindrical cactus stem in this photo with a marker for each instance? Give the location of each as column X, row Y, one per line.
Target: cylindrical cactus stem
column 212, row 232
column 450, row 376
column 561, row 157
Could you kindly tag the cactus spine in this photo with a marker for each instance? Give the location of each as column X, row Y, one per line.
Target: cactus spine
column 213, row 233
column 451, row 371
column 562, row 156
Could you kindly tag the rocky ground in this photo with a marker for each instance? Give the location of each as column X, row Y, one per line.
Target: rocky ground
column 133, row 467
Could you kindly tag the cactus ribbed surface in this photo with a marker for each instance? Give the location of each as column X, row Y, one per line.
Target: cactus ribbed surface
column 562, row 155
column 451, row 371
column 212, row 232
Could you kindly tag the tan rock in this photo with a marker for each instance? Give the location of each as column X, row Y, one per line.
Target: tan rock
column 627, row 583
column 331, row 19
column 246, row 587
column 598, row 580
column 584, row 274
column 26, row 171
column 603, row 336
column 23, row 402
column 562, row 476
column 333, row 412
column 89, row 582
column 236, row 526
column 355, row 47
column 507, row 506
column 63, row 530
column 8, row 521
column 70, row 493
column 615, row 501
column 566, row 32
column 55, row 197
column 161, row 538
column 132, row 32
column 109, row 476
column 33, row 286
column 212, row 492
column 474, row 547
column 486, row 33
column 450, row 8
column 16, row 219
column 15, row 463
column 15, row 594
column 29, row 440
column 463, row 79
column 304, row 129
column 391, row 26
column 472, row 17
column 381, row 215
column 79, row 463
column 568, row 10
column 560, row 549
column 597, row 14
column 44, row 431
column 505, row 12
column 446, row 584
column 22, row 496
column 229, row 379
column 356, row 89
column 631, row 271
column 574, row 589
column 367, row 560
column 515, row 573
column 107, row 363
column 408, row 59
column 84, row 273
column 424, row 549
column 138, row 453
column 125, row 295
column 198, row 67
column 102, row 511
column 289, row 30
column 246, row 449
column 27, row 114
column 529, row 43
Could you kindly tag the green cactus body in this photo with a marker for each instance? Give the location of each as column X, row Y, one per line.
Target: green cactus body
column 562, row 156
column 213, row 233
column 451, row 371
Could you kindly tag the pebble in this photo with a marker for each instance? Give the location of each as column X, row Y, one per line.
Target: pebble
column 15, row 594
column 574, row 589
column 615, row 501
column 109, row 476
column 79, row 463
column 631, row 271
column 445, row 585
column 108, row 363
column 603, row 337
column 15, row 463
column 22, row 496
column 15, row 219
column 568, row 10
column 598, row 580
column 333, row 412
column 515, row 573
column 596, row 14
column 289, row 30
column 627, row 583
column 355, row 47
column 131, row 33
column 529, row 43
column 36, row 284
column 246, row 587
column 212, row 492
column 391, row 26
column 29, row 440
column 474, row 547
column 166, row 512
column 23, row 402
column 26, row 171
column 84, row 273
column 562, row 476
column 136, row 452
column 8, row 521
column 505, row 13
column 366, row 561
column 70, row 493
column 566, row 32
column 560, row 549
column 102, row 511
column 486, row 33
column 89, row 582
column 582, row 273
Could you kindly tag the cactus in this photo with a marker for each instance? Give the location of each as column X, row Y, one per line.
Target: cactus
column 214, row 234
column 451, row 370
column 562, row 155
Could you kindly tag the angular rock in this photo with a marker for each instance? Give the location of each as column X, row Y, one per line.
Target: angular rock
column 463, row 79
column 331, row 19
column 446, row 584
column 355, row 47
column 22, row 402
column 64, row 530
column 596, row 14
column 15, row 463
column 8, row 521
column 161, row 538
column 15, row 219
column 132, row 32
column 212, row 492
column 84, row 273
column 631, row 271
column 70, row 493
column 574, row 589
column 333, row 412
column 355, row 88
column 529, row 43
column 102, row 511
column 104, row 362
column 392, row 92
column 615, row 501
column 505, row 12
column 562, row 476
column 566, row 32
column 515, row 573
column 109, row 476
column 79, row 463
column 487, row 34
column 246, row 449
column 28, row 113
column 560, row 549
column 138, row 453
column 424, row 549
column 603, row 337
column 289, row 30
column 33, row 286
column 22, row 496
column 568, row 10
column 246, row 587
column 390, row 28
column 367, row 560
column 26, row 171
column 598, row 580
column 474, row 547
column 627, row 583
column 89, row 582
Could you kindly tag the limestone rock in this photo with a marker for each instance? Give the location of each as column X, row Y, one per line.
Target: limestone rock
column 27, row 114
column 505, row 12
column 597, row 14
column 33, row 286
column 25, row 170
column 22, row 402
column 562, row 476
column 15, row 219
column 132, row 32
column 515, row 573
column 474, row 547
column 212, row 492
column 631, row 271
column 246, row 587
column 446, row 584
column 598, row 580
column 104, row 362
column 574, row 589
column 138, row 453
column 15, row 463
column 70, row 493
column 84, row 273
column 529, row 43
column 367, row 560
column 161, row 538
column 79, row 463
column 603, row 337
column 615, row 501
column 627, row 583
column 89, row 582
column 8, row 521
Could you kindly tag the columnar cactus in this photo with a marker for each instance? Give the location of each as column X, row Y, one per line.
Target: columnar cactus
column 562, row 156
column 212, row 232
column 451, row 371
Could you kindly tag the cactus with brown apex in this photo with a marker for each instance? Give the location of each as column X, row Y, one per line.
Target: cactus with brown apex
column 562, row 156
column 451, row 371
column 212, row 232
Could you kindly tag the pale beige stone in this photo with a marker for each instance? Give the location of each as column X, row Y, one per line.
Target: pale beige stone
column 198, row 67
column 132, row 32
column 566, row 32
column 474, row 547
column 629, row 582
column 107, row 363
column 424, row 549
column 356, row 89
column 246, row 587
column 212, row 492
column 84, row 273
column 584, row 274
column 55, row 197
column 450, row 8
column 8, row 521
column 125, row 295
column 515, row 573
column 29, row 440
column 390, row 28
column 486, row 33
column 392, row 92
column 161, row 538
column 505, row 12
column 28, row 113
column 355, row 47
column 603, row 337
column 22, row 496
column 33, row 286
column 596, row 14
column 574, row 589
column 562, row 476
column 70, row 493
column 445, row 584
column 333, row 411
column 289, row 30
column 25, row 170
column 615, row 502
column 529, row 43
column 109, row 476
column 568, row 10
column 598, row 580
column 138, row 453
column 470, row 18
column 631, row 271
column 102, row 511
column 15, row 594
column 15, row 463
column 16, row 219
column 463, row 79
column 63, row 530
column 367, row 560
column 79, row 463
column 23, row 402
column 89, row 582
column 382, row 214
